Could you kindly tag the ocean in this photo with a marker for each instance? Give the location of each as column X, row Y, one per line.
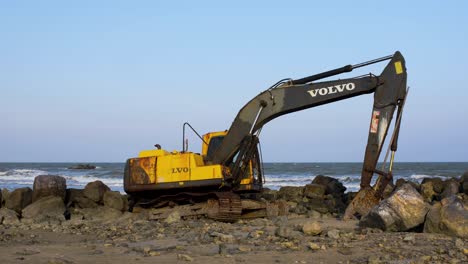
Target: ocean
column 15, row 175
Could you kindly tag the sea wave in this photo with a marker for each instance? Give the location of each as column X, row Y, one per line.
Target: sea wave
column 21, row 173
column 422, row 176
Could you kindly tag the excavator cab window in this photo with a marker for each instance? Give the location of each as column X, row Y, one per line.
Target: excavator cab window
column 215, row 142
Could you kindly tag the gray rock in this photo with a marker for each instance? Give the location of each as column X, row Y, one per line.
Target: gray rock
column 49, row 185
column 451, row 187
column 95, row 191
column 314, row 191
column 400, row 182
column 464, row 183
column 207, row 250
column 449, row 217
column 8, row 217
column 125, row 202
column 5, row 195
column 184, row 257
column 403, row 210
column 173, row 217
column 1, row 199
column 437, row 184
column 19, row 199
column 283, row 231
column 332, row 185
column 45, row 209
column 223, row 237
column 291, row 193
column 114, row 200
column 84, row 202
column 317, row 205
column 101, row 213
column 312, row 228
column 432, row 223
column 269, row 195
column 334, row 233
column 71, row 195
column 427, row 191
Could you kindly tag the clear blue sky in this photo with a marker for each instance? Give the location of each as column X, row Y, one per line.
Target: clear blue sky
column 102, row 80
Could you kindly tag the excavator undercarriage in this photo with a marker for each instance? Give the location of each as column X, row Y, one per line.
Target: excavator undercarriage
column 215, row 182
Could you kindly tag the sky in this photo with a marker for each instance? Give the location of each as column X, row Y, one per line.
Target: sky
column 98, row 81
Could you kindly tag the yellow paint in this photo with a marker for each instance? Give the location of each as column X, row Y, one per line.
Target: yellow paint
column 162, row 166
column 398, row 67
column 152, row 153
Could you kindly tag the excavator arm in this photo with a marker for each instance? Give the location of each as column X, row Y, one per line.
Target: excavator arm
column 289, row 96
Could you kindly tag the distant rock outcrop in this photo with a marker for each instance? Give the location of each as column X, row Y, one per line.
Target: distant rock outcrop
column 82, row 167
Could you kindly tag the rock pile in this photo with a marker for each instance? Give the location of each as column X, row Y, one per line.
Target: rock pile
column 51, row 202
column 324, row 195
column 434, row 206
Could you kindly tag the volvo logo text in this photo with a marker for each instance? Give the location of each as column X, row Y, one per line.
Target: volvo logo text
column 332, row 89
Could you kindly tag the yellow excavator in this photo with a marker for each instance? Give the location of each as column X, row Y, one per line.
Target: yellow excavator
column 230, row 163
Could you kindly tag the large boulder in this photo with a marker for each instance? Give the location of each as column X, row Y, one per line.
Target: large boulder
column 5, row 195
column 400, row 182
column 95, row 191
column 449, row 217
column 464, row 183
column 451, row 187
column 314, row 191
column 114, row 200
column 291, row 193
column 50, row 208
column 437, row 183
column 403, row 210
column 19, row 199
column 76, row 198
column 332, row 185
column 8, row 217
column 427, row 191
column 49, row 185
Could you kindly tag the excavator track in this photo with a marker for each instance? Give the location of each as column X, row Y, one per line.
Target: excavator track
column 229, row 207
column 220, row 206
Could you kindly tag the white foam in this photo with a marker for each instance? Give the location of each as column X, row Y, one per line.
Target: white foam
column 422, row 176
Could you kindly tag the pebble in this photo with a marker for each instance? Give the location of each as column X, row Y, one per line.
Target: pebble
column 184, row 257
column 373, row 260
column 409, row 238
column 334, row 233
column 244, row 249
column 312, row 228
column 345, row 251
column 27, row 252
column 314, row 246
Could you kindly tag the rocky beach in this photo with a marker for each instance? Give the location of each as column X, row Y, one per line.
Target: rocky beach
column 423, row 222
